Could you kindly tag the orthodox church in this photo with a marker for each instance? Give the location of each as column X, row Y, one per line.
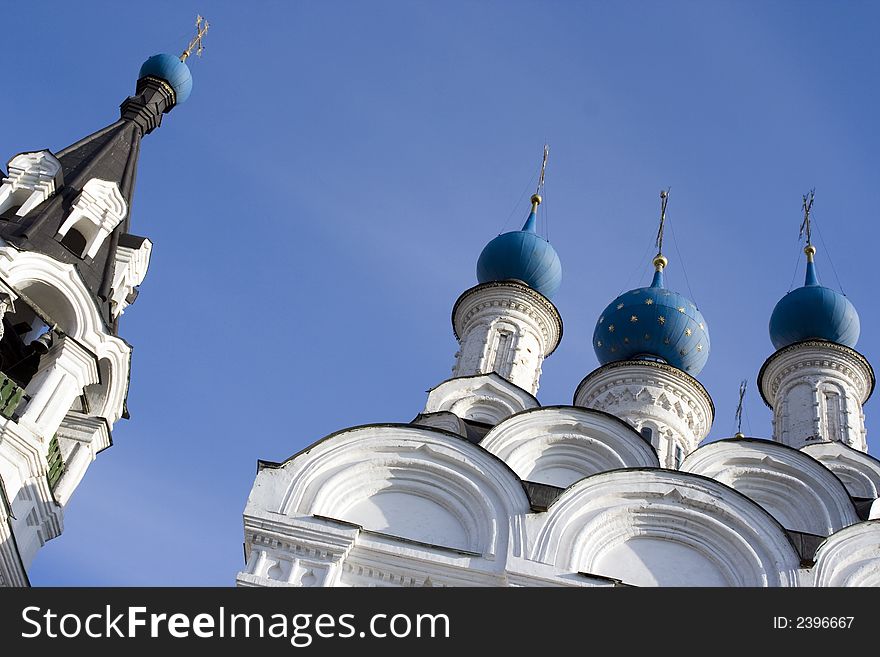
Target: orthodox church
column 486, row 487
column 69, row 268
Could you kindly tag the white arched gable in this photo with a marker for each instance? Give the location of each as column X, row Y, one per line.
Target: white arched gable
column 664, row 528
column 794, row 488
column 413, row 482
column 851, row 557
column 562, row 444
column 486, row 398
column 859, row 472
column 58, row 285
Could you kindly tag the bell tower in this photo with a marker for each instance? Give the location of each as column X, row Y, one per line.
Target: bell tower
column 70, row 266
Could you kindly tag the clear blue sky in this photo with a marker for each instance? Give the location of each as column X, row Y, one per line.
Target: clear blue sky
column 320, row 201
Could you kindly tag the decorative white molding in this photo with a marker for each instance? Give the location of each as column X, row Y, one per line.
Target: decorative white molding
column 794, row 488
column 648, row 394
column 97, row 210
column 80, row 438
column 445, row 420
column 851, row 557
column 816, row 390
column 486, row 398
column 129, row 272
column 859, row 472
column 505, row 327
column 64, row 371
column 561, row 445
column 412, row 482
column 32, row 178
column 58, row 287
column 658, row 527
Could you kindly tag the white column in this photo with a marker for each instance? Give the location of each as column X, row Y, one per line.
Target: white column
column 816, row 390
column 670, row 408
column 505, row 327
column 64, row 371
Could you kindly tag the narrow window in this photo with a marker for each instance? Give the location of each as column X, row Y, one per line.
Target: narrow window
column 679, row 456
column 833, row 416
column 501, row 356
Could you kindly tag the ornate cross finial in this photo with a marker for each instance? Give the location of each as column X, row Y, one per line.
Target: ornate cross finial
column 739, row 409
column 807, row 207
column 536, row 197
column 543, row 169
column 664, row 199
column 202, row 26
column 660, row 260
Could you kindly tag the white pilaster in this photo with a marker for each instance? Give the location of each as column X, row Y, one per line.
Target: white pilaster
column 669, row 407
column 505, row 327
column 816, row 390
column 64, row 371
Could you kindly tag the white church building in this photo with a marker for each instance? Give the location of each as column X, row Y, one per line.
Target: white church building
column 486, row 487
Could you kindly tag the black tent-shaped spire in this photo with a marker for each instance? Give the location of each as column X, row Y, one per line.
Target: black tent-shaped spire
column 109, row 154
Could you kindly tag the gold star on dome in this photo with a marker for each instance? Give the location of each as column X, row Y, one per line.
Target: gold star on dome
column 649, row 302
column 633, row 318
column 626, row 341
column 680, row 309
column 687, row 332
column 683, row 352
column 702, row 328
column 613, row 349
column 619, row 306
column 602, row 319
column 699, row 347
column 598, row 343
column 611, row 328
column 666, row 340
column 661, row 320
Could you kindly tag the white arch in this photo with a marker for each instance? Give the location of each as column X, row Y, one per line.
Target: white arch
column 859, row 472
column 660, row 527
column 562, row 444
column 23, row 270
column 794, row 488
column 405, row 481
column 850, row 557
column 486, row 398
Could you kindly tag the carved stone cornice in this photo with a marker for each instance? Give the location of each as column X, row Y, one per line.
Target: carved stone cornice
column 820, row 354
column 514, row 296
column 676, row 373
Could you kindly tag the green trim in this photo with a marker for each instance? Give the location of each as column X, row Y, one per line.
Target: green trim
column 10, row 396
column 55, row 461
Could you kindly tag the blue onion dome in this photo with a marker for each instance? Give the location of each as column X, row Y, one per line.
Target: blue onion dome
column 814, row 312
column 522, row 255
column 653, row 323
column 173, row 71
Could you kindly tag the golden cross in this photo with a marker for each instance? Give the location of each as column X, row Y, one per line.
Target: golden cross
column 202, row 26
column 807, row 207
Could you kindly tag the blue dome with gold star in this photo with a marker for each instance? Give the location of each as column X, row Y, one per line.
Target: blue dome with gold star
column 814, row 312
column 653, row 323
column 522, row 255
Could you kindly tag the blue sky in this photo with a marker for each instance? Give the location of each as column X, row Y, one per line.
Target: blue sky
column 320, row 201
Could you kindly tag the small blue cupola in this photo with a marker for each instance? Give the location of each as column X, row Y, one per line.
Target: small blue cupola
column 814, row 312
column 522, row 255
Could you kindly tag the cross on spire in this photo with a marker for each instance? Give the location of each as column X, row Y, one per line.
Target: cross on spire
column 543, row 169
column 664, row 198
column 202, row 26
column 739, row 409
column 806, row 225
